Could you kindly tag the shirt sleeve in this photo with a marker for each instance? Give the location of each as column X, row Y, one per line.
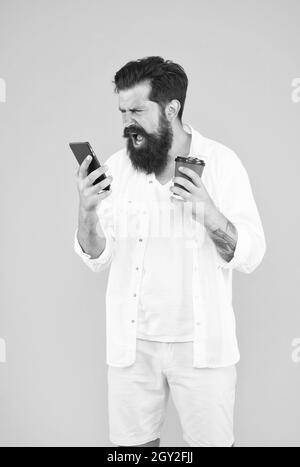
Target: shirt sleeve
column 102, row 262
column 238, row 205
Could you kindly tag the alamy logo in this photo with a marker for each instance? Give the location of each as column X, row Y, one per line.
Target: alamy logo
column 296, row 351
column 2, row 351
column 296, row 90
column 177, row 223
column 2, row 90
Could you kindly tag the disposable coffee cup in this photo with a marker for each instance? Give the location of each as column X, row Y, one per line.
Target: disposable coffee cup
column 193, row 163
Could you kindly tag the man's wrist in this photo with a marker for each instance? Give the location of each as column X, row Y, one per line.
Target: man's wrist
column 87, row 219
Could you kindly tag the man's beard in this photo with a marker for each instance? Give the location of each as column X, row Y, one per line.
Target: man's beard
column 152, row 155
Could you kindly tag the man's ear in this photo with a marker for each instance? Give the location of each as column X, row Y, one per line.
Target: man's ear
column 172, row 109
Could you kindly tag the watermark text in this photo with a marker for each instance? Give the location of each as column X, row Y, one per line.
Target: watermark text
column 2, row 351
column 296, row 350
column 296, row 90
column 2, row 90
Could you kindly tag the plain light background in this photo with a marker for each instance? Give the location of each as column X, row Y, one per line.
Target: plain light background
column 58, row 59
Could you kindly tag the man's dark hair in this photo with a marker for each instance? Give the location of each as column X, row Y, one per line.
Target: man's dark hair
column 168, row 80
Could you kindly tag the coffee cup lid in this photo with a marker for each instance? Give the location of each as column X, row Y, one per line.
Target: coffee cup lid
column 190, row 160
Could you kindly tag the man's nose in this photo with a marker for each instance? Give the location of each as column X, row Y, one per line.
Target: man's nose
column 128, row 120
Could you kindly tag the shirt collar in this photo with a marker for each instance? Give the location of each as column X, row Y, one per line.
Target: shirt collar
column 189, row 129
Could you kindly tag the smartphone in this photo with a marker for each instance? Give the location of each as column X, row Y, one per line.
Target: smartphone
column 81, row 151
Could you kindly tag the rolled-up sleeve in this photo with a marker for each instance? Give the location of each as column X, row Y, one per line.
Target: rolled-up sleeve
column 104, row 259
column 238, row 205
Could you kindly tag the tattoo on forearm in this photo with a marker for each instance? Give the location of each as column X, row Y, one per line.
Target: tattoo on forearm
column 225, row 241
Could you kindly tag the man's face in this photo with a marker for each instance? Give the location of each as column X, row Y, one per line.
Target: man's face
column 147, row 130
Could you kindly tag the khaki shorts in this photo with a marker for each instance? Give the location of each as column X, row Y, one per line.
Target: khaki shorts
column 138, row 397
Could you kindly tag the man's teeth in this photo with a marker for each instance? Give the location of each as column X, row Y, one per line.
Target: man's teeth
column 137, row 138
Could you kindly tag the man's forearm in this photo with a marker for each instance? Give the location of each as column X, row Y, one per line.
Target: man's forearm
column 223, row 233
column 90, row 235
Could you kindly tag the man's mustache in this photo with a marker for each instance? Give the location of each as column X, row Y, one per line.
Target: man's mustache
column 130, row 130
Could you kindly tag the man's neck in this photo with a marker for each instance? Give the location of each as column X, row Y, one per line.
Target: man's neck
column 181, row 143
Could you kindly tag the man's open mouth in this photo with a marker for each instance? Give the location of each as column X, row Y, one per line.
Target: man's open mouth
column 137, row 139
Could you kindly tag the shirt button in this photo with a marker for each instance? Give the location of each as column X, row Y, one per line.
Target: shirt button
column 150, row 181
column 134, row 294
column 198, row 323
column 137, row 268
column 133, row 321
column 140, row 239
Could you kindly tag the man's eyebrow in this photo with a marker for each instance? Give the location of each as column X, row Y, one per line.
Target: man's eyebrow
column 134, row 108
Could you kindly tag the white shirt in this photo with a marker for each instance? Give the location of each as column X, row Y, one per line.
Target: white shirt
column 165, row 311
column 124, row 218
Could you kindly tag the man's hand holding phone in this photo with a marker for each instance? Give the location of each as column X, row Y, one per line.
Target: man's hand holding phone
column 90, row 195
column 90, row 235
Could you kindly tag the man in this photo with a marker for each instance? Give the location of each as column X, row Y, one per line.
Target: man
column 169, row 317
